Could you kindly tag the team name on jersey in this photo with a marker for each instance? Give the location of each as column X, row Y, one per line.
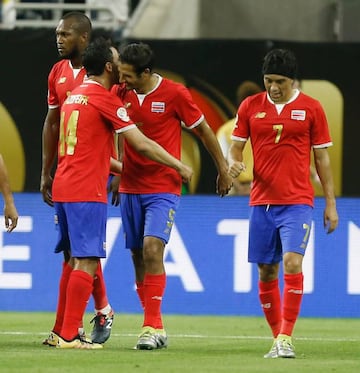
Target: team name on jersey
column 77, row 99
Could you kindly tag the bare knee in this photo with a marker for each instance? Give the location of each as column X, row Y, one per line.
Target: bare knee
column 153, row 255
column 268, row 272
column 292, row 263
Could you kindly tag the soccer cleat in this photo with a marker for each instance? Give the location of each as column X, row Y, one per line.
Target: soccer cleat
column 51, row 340
column 285, row 348
column 78, row 343
column 151, row 339
column 83, row 336
column 102, row 327
column 273, row 353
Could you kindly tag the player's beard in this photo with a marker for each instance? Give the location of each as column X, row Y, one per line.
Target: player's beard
column 74, row 53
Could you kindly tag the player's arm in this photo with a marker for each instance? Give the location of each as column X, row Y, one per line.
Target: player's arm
column 208, row 138
column 323, row 168
column 236, row 158
column 150, row 149
column 50, row 138
column 10, row 212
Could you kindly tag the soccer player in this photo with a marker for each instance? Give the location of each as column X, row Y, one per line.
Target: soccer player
column 150, row 193
column 72, row 37
column 89, row 117
column 10, row 213
column 283, row 125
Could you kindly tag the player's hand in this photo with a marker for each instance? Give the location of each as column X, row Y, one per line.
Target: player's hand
column 45, row 189
column 236, row 169
column 331, row 219
column 224, row 183
column 114, row 189
column 11, row 217
column 186, row 173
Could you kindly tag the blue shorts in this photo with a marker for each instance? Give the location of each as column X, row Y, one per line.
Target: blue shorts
column 277, row 229
column 82, row 227
column 147, row 215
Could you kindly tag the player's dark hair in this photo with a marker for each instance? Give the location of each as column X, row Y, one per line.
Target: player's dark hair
column 96, row 55
column 280, row 62
column 82, row 22
column 138, row 55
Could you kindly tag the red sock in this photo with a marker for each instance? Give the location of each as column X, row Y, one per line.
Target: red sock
column 78, row 293
column 269, row 294
column 154, row 287
column 64, row 279
column 140, row 293
column 293, row 293
column 99, row 290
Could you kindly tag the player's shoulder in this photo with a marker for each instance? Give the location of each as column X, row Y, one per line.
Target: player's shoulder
column 256, row 99
column 60, row 65
column 175, row 89
column 305, row 99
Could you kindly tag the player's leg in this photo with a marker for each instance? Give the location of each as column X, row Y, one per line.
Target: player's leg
column 295, row 222
column 133, row 220
column 160, row 210
column 87, row 231
column 63, row 246
column 104, row 314
column 265, row 250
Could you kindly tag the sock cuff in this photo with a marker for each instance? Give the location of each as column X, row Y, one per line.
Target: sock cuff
column 157, row 279
column 293, row 278
column 266, row 286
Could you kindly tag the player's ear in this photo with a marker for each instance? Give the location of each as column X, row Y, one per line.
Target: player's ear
column 109, row 67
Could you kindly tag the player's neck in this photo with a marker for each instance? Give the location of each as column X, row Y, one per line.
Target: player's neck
column 149, row 85
column 76, row 63
column 101, row 80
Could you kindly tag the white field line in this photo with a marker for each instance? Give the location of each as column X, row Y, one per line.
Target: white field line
column 203, row 336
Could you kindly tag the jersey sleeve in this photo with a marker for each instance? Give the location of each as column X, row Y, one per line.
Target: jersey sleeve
column 188, row 112
column 52, row 98
column 113, row 110
column 320, row 133
column 241, row 131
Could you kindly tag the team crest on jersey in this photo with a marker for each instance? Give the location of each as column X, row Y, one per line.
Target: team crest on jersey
column 62, row 80
column 298, row 114
column 260, row 114
column 157, row 107
column 122, row 114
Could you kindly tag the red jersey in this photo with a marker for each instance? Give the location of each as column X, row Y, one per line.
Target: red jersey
column 62, row 80
column 89, row 117
column 159, row 115
column 281, row 144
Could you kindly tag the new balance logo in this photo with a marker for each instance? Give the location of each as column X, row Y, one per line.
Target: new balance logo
column 266, row 305
column 295, row 291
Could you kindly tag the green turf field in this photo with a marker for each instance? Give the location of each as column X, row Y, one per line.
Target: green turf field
column 196, row 344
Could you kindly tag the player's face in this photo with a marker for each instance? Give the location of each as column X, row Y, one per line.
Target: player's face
column 279, row 87
column 131, row 79
column 69, row 42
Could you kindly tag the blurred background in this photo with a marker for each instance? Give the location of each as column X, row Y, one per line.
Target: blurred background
column 210, row 46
